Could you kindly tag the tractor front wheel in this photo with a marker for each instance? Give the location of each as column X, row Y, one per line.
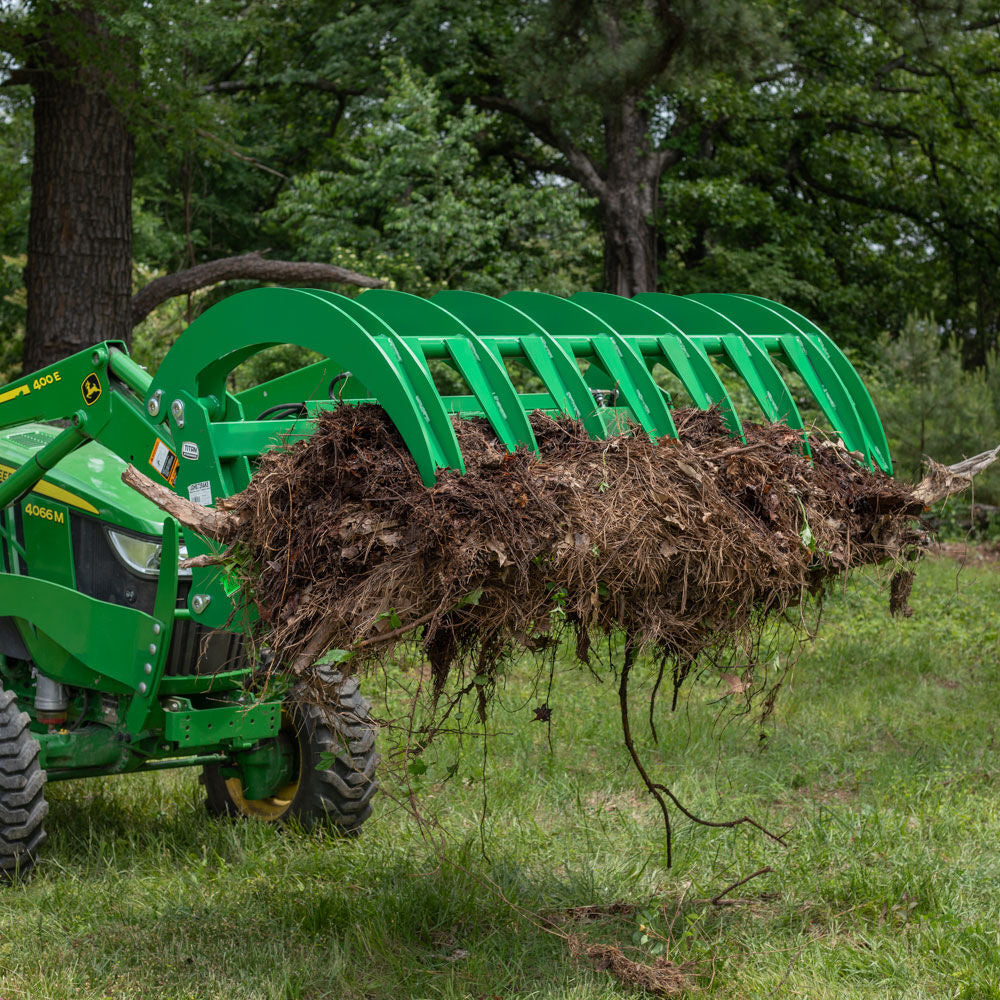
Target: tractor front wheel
column 340, row 794
column 22, row 784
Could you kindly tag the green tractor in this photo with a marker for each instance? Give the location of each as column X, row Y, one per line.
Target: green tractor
column 113, row 658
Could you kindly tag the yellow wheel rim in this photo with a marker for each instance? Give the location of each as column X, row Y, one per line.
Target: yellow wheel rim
column 275, row 806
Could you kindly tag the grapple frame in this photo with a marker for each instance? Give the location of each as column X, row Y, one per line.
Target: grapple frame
column 385, row 339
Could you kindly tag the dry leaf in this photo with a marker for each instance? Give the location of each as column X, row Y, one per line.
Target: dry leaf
column 735, row 685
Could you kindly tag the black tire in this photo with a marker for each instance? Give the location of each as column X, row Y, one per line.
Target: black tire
column 22, row 784
column 340, row 796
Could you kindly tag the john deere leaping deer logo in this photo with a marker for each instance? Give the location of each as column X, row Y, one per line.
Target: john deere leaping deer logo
column 91, row 389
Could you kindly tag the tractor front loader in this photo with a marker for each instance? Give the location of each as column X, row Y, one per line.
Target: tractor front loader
column 115, row 659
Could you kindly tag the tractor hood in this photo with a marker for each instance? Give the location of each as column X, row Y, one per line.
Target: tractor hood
column 88, row 481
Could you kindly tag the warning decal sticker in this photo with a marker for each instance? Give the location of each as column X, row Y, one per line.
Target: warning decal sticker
column 201, row 493
column 164, row 461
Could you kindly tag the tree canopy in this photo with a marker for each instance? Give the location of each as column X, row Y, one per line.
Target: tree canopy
column 838, row 156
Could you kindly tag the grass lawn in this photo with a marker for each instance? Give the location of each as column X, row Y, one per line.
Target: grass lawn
column 881, row 760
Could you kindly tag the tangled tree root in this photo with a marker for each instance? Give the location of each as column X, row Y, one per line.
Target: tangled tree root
column 661, row 977
column 689, row 547
column 685, row 546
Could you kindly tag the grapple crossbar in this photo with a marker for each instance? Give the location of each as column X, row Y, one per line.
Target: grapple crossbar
column 593, row 356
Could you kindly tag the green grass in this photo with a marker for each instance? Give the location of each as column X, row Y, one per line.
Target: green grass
column 881, row 760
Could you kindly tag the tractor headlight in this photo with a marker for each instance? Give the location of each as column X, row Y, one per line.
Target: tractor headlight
column 142, row 554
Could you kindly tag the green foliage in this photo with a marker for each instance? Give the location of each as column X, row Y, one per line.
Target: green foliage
column 415, row 203
column 931, row 406
column 15, row 173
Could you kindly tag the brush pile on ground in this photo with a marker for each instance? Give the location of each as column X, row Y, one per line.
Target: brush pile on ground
column 685, row 546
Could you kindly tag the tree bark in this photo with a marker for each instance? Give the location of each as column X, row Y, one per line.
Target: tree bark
column 247, row 266
column 79, row 273
column 628, row 205
column 206, row 521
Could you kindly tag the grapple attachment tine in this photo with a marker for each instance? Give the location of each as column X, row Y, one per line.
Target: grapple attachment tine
column 716, row 332
column 481, row 368
column 240, row 326
column 805, row 357
column 870, row 421
column 388, row 340
column 414, row 377
column 571, row 324
column 661, row 341
column 691, row 356
column 494, row 319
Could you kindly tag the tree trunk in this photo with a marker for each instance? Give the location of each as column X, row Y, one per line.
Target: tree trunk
column 79, row 274
column 628, row 207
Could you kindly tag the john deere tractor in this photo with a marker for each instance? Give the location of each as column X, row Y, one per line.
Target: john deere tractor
column 114, row 659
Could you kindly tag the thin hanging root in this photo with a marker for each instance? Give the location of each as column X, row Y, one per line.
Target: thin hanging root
column 657, row 790
column 652, row 700
column 653, row 788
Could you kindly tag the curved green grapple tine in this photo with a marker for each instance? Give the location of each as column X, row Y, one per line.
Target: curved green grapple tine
column 243, row 325
column 745, row 357
column 621, row 362
column 872, row 425
column 673, row 348
column 413, row 374
column 495, row 318
column 483, row 371
column 819, row 375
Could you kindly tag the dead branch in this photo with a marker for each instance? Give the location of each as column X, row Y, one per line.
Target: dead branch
column 942, row 481
column 248, row 266
column 203, row 520
column 716, row 899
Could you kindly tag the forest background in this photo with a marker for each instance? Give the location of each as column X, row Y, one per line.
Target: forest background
column 839, row 157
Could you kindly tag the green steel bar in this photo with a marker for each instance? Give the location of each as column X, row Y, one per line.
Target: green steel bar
column 481, row 368
column 491, row 318
column 154, row 655
column 718, row 335
column 661, row 341
column 413, row 373
column 814, row 368
column 309, row 382
column 515, row 335
column 242, row 325
column 620, row 362
column 21, row 482
column 133, row 375
column 872, row 424
column 697, row 355
column 233, row 438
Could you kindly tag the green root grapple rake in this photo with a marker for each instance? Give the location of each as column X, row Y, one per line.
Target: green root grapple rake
column 114, row 659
